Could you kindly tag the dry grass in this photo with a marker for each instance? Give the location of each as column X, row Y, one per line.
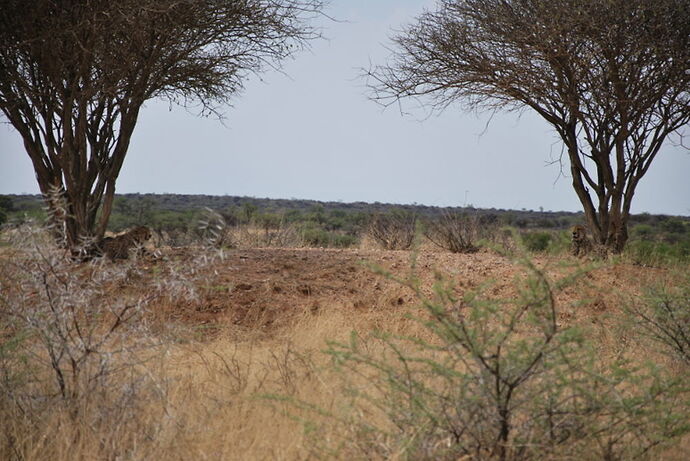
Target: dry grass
column 207, row 401
column 202, row 401
column 247, row 391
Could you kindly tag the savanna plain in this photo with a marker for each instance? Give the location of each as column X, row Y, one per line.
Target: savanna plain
column 246, row 352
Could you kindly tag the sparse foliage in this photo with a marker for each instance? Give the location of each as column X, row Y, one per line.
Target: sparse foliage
column 663, row 315
column 214, row 230
column 68, row 323
column 499, row 379
column 394, row 230
column 74, row 76
column 455, row 232
column 610, row 77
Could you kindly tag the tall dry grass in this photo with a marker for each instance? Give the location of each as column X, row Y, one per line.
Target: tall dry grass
column 194, row 401
column 240, row 396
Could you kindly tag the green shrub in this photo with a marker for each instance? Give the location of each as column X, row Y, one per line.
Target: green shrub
column 536, row 241
column 643, row 232
column 561, row 242
column 268, row 221
column 648, row 253
column 674, row 226
column 317, row 237
column 6, row 206
column 497, row 379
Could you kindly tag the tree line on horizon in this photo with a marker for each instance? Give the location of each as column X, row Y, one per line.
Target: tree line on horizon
column 654, row 237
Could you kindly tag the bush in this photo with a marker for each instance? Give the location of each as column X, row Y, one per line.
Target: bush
column 646, row 253
column 561, row 242
column 6, row 206
column 498, row 379
column 74, row 332
column 663, row 315
column 455, row 232
column 643, row 232
column 321, row 238
column 536, row 241
column 394, row 230
column 675, row 226
column 79, row 362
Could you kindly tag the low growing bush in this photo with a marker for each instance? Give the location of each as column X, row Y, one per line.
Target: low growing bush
column 394, row 230
column 536, row 242
column 497, row 379
column 663, row 315
column 647, row 253
column 455, row 232
column 77, row 355
column 317, row 237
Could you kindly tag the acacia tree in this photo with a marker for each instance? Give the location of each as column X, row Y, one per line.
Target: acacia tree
column 74, row 75
column 612, row 78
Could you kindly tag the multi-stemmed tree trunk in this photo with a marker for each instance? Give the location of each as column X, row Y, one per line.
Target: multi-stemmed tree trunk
column 611, row 77
column 75, row 74
column 76, row 171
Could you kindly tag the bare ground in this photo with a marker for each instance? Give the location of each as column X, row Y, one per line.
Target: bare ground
column 263, row 290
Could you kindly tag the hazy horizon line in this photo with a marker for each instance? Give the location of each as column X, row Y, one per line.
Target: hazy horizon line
column 367, row 202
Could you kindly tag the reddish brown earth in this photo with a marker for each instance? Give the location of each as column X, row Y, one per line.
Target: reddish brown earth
column 265, row 288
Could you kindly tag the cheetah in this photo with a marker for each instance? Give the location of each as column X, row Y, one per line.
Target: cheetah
column 581, row 245
column 120, row 246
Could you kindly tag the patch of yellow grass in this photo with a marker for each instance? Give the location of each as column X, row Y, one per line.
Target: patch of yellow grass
column 207, row 400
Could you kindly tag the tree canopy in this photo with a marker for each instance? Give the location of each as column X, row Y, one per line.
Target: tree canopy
column 74, row 75
column 611, row 77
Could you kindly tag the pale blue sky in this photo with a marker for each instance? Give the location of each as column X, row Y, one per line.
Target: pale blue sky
column 314, row 135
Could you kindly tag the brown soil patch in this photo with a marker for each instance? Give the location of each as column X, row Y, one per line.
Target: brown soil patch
column 264, row 289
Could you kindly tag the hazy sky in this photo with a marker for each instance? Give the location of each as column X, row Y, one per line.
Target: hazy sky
column 314, row 135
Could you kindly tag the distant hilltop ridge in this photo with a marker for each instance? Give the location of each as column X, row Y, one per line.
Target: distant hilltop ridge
column 188, row 202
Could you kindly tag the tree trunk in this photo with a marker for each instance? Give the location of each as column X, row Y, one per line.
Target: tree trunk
column 79, row 195
column 618, row 234
column 608, row 226
column 106, row 209
column 608, row 221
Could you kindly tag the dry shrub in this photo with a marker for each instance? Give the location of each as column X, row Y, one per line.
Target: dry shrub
column 285, row 235
column 455, row 232
column 504, row 240
column 259, row 232
column 395, row 230
column 663, row 315
column 69, row 347
column 79, row 366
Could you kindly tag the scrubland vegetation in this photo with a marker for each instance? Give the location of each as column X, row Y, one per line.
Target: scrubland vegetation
column 259, row 329
column 250, row 222
column 218, row 350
